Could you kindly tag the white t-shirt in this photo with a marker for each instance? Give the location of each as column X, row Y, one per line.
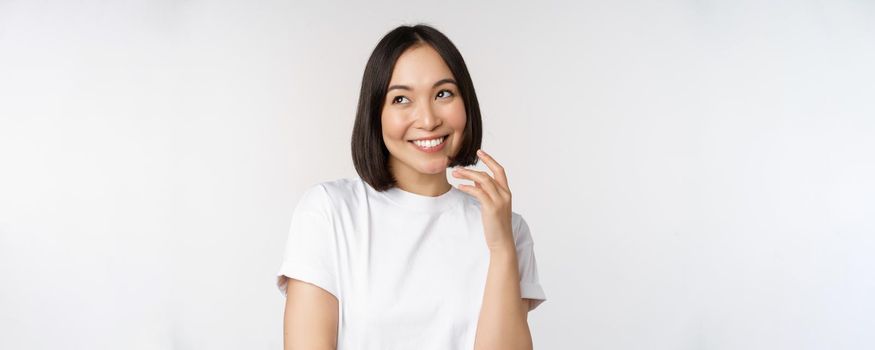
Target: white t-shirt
column 408, row 270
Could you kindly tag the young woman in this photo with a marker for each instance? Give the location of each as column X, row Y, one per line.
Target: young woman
column 398, row 258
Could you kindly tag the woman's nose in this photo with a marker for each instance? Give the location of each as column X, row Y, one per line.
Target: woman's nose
column 427, row 118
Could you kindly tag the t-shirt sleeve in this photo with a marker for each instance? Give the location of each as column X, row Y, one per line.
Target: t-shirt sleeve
column 530, row 285
column 311, row 250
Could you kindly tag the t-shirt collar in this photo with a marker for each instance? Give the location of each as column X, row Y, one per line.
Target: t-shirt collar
column 420, row 202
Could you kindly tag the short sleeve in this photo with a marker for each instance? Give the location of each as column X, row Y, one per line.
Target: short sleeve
column 530, row 285
column 311, row 250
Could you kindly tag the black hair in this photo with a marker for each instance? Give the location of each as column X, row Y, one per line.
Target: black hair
column 369, row 153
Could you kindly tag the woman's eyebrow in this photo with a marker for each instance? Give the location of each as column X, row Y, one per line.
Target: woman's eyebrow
column 439, row 82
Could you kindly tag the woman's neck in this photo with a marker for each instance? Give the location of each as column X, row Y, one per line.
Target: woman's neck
column 410, row 180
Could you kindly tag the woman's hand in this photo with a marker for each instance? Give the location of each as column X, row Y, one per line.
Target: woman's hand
column 495, row 202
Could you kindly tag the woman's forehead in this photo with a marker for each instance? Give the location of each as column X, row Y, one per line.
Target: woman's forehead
column 420, row 66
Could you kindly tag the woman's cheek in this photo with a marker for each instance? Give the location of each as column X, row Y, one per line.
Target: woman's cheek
column 392, row 126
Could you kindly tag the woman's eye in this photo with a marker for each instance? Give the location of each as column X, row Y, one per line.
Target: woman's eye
column 395, row 100
column 447, row 91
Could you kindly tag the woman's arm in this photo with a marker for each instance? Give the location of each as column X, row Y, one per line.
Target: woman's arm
column 310, row 320
column 503, row 320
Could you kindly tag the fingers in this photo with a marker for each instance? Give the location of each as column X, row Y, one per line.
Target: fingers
column 482, row 179
column 496, row 168
column 478, row 192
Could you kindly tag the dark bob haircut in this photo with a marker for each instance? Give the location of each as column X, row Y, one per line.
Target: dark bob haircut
column 369, row 153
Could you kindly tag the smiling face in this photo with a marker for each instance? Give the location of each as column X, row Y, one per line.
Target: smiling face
column 422, row 103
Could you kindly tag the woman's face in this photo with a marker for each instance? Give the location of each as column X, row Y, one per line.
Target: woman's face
column 422, row 103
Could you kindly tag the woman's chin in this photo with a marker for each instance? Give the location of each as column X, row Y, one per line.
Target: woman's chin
column 436, row 166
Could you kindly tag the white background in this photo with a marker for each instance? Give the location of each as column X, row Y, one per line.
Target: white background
column 696, row 174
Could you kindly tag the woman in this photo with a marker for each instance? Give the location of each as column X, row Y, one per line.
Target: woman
column 398, row 258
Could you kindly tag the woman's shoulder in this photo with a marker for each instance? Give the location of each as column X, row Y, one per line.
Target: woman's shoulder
column 521, row 232
column 332, row 193
column 341, row 187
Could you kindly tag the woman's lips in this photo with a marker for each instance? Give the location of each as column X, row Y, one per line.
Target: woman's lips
column 432, row 149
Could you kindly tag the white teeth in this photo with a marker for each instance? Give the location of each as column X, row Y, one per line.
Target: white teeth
column 429, row 143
